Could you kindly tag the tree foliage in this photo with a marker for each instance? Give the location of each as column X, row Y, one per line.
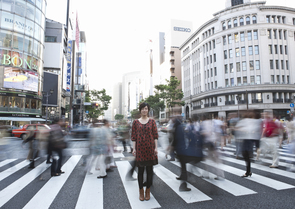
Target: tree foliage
column 135, row 114
column 170, row 93
column 97, row 96
column 119, row 117
column 156, row 103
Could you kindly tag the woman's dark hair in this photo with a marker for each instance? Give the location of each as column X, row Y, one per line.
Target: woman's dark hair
column 143, row 105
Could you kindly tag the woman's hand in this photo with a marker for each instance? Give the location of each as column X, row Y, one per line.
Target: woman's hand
column 156, row 151
column 133, row 152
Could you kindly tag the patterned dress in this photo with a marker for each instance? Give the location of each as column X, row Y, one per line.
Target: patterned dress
column 144, row 135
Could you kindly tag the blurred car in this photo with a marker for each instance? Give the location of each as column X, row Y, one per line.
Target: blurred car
column 7, row 130
column 80, row 132
column 23, row 132
column 165, row 127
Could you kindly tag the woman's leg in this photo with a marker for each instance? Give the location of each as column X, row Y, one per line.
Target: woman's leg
column 140, row 177
column 149, row 173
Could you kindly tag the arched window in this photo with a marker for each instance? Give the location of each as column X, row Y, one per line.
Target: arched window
column 229, row 24
column 248, row 20
column 223, row 26
column 241, row 21
column 235, row 22
column 254, row 20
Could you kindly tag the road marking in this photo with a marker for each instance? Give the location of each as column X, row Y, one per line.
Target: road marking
column 91, row 193
column 224, row 184
column 10, row 191
column 53, row 186
column 5, row 162
column 132, row 190
column 256, row 178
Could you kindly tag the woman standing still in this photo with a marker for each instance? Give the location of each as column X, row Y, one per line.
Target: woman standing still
column 145, row 137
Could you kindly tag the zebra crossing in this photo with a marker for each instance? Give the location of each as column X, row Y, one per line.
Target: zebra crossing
column 91, row 192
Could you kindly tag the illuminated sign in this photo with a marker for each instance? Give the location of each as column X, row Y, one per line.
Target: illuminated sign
column 188, row 30
column 17, row 61
column 69, row 66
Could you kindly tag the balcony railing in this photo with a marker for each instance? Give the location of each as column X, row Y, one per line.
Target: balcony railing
column 197, row 107
column 206, row 105
column 213, row 104
column 257, row 101
column 229, row 102
column 278, row 100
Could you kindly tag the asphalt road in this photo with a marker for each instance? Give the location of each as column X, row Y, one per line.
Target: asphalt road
column 21, row 187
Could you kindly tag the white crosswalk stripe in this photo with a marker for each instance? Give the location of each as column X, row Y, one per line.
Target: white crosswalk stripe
column 91, row 191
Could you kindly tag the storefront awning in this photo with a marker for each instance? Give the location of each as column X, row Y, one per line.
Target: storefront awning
column 21, row 119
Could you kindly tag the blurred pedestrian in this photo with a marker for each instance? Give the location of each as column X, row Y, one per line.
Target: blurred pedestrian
column 145, row 143
column 188, row 145
column 124, row 133
column 250, row 129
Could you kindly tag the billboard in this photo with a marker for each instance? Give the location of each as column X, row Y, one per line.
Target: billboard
column 50, row 82
column 69, row 60
column 20, row 79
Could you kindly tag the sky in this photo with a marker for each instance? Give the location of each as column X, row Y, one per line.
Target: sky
column 118, row 31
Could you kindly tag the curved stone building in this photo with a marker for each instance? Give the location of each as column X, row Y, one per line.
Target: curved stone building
column 241, row 59
column 22, row 25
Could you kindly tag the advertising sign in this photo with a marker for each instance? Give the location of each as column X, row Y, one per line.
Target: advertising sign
column 20, row 79
column 69, row 66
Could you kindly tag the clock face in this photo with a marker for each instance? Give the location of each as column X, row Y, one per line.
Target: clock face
column 236, row 2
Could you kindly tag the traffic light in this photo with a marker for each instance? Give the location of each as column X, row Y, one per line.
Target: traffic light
column 96, row 105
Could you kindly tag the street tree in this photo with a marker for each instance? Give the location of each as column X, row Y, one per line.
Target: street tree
column 119, row 117
column 135, row 114
column 156, row 103
column 99, row 97
column 170, row 93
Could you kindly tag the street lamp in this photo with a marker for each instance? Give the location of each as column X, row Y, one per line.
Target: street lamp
column 238, row 99
column 47, row 94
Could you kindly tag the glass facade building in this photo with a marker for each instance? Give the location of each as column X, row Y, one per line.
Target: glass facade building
column 22, row 25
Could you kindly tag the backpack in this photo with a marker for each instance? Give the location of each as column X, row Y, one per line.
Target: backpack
column 271, row 129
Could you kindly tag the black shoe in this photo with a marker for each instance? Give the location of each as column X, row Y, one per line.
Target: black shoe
column 247, row 174
column 100, row 177
column 48, row 162
column 55, row 174
column 110, row 170
column 178, row 178
column 31, row 167
column 183, row 188
column 61, row 172
column 172, row 159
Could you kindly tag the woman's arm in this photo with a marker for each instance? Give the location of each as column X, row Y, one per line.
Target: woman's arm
column 134, row 148
column 156, row 146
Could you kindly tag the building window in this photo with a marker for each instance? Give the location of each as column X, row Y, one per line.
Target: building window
column 223, row 26
column 211, row 71
column 250, row 50
column 50, row 38
column 254, row 20
column 251, row 65
column 271, row 64
column 249, row 35
column 281, row 49
column 232, row 81
column 272, row 79
column 268, row 19
column 216, row 84
column 247, row 20
column 252, row 79
column 214, row 57
column 293, row 21
column 238, row 67
column 279, row 19
column 243, row 51
column 230, row 53
column 282, row 64
column 215, row 71
column 278, row 79
column 235, row 22
column 245, row 80
column 225, row 69
column 236, row 37
column 241, row 21
column 269, row 34
column 237, row 52
column 286, row 49
column 270, row 49
column 276, row 49
column 231, row 67
column 213, row 44
column 283, row 79
column 244, row 66
column 283, row 19
column 257, row 65
column 285, row 35
column 229, row 24
column 224, row 40
column 239, row 81
column 287, row 82
column 277, row 64
column 255, row 34
column 287, row 65
column 242, row 36
column 256, row 48
column 225, row 54
column 273, row 19
column 280, row 34
column 275, row 34
column 226, row 82
column 207, row 73
column 229, row 39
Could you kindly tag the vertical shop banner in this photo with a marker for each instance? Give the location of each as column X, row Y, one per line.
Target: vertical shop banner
column 69, row 66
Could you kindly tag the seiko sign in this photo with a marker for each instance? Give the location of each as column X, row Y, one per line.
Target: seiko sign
column 188, row 30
